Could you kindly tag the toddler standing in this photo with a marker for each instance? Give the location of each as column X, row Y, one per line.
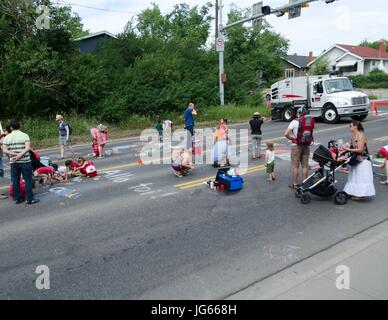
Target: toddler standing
column 270, row 161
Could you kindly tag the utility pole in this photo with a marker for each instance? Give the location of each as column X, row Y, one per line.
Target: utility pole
column 221, row 55
column 216, row 36
column 293, row 8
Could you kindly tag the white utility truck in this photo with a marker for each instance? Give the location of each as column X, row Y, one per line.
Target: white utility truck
column 328, row 97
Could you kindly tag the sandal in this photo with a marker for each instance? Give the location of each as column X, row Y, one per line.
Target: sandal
column 384, row 182
column 292, row 186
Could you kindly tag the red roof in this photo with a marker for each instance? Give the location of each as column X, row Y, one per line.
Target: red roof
column 364, row 52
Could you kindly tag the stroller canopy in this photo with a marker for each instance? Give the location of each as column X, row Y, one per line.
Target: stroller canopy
column 323, row 156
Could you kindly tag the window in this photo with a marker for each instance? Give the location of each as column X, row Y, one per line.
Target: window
column 290, row 73
column 373, row 63
column 349, row 69
column 338, row 85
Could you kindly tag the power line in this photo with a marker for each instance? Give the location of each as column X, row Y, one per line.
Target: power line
column 95, row 8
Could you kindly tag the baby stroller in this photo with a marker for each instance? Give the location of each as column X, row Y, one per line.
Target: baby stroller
column 322, row 183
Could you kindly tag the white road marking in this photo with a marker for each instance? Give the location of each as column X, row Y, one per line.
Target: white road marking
column 168, row 194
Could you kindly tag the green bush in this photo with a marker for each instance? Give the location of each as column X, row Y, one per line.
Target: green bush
column 375, row 80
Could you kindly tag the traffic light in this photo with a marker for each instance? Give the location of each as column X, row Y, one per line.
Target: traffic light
column 266, row 10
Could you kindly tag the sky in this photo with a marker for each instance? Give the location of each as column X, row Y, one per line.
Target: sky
column 320, row 26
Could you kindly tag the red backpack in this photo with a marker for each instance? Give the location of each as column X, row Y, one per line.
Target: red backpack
column 305, row 132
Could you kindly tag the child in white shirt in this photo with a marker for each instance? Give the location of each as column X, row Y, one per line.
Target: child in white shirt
column 270, row 161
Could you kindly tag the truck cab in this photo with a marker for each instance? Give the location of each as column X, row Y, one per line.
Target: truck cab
column 334, row 98
column 328, row 97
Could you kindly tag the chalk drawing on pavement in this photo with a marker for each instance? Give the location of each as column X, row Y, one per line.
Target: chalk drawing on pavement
column 118, row 176
column 65, row 192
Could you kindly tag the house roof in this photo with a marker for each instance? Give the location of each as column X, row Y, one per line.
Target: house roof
column 298, row 61
column 97, row 34
column 364, row 52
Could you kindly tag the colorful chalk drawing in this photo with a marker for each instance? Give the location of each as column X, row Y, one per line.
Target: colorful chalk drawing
column 65, row 192
column 117, row 176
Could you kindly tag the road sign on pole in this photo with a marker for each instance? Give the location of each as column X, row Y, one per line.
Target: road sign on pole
column 220, row 43
column 294, row 12
column 256, row 11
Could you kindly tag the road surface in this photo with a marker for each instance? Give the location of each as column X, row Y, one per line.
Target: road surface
column 139, row 232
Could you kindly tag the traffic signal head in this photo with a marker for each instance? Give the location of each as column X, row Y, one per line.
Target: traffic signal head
column 266, row 10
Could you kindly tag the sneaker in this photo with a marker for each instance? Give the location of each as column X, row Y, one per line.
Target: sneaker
column 178, row 174
column 19, row 201
column 33, row 201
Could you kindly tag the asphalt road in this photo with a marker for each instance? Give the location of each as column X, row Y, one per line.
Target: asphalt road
column 139, row 232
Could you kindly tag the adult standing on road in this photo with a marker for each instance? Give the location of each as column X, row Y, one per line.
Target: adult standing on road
column 100, row 136
column 220, row 149
column 256, row 134
column 189, row 114
column 64, row 135
column 360, row 179
column 300, row 152
column 17, row 146
column 2, row 136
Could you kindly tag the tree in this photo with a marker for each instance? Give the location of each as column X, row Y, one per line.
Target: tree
column 157, row 64
column 253, row 58
column 35, row 59
column 374, row 44
column 320, row 66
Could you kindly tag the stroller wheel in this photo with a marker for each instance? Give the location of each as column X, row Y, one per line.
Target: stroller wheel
column 305, row 199
column 298, row 193
column 341, row 198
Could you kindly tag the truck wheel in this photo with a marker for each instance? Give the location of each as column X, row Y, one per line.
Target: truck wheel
column 360, row 118
column 288, row 114
column 330, row 114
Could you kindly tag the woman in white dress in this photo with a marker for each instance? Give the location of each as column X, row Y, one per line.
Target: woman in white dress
column 220, row 149
column 360, row 180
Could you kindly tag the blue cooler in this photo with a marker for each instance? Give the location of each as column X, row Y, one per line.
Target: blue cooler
column 231, row 183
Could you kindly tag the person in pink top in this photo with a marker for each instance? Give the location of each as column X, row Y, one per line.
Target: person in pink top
column 100, row 136
column 383, row 153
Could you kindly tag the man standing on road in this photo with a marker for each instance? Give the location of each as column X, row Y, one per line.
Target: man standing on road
column 64, row 135
column 17, row 147
column 189, row 114
column 256, row 134
column 300, row 133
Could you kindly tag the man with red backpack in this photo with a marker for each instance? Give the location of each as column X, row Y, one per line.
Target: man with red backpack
column 300, row 132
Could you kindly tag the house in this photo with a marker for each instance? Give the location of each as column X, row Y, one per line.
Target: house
column 90, row 42
column 355, row 60
column 296, row 66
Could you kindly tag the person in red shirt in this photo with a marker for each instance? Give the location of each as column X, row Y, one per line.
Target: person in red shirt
column 45, row 173
column 73, row 168
column 383, row 153
column 87, row 168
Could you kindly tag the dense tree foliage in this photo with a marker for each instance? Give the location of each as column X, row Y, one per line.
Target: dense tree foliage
column 320, row 66
column 374, row 44
column 156, row 65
